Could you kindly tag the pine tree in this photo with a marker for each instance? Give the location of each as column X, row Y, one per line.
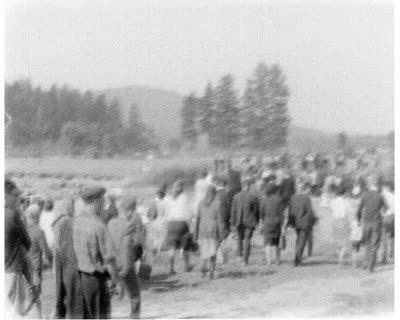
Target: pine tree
column 264, row 108
column 207, row 113
column 53, row 113
column 189, row 119
column 227, row 113
column 278, row 118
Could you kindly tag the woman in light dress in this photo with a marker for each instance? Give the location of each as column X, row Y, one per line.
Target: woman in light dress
column 206, row 230
column 156, row 226
column 342, row 214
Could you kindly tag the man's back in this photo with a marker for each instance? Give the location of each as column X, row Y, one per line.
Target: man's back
column 16, row 241
column 92, row 243
column 39, row 246
column 245, row 209
column 300, row 208
column 370, row 206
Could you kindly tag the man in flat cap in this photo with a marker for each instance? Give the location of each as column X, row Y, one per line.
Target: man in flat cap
column 245, row 215
column 126, row 231
column 95, row 253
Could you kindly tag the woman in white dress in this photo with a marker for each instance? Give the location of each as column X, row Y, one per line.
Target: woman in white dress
column 341, row 214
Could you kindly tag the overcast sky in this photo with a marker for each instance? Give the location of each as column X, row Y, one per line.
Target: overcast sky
column 338, row 57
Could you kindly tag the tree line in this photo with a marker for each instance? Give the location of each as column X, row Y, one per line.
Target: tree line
column 257, row 118
column 79, row 122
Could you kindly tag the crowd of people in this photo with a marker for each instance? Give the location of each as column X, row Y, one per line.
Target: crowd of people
column 94, row 248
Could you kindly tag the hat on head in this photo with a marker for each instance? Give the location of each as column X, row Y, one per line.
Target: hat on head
column 91, row 193
column 128, row 202
column 10, row 187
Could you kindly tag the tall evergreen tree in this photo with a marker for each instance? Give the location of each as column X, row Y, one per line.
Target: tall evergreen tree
column 264, row 108
column 189, row 119
column 53, row 115
column 278, row 117
column 207, row 113
column 227, row 113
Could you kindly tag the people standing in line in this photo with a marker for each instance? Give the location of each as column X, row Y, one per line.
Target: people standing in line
column 225, row 202
column 388, row 222
column 179, row 215
column 300, row 208
column 46, row 221
column 245, row 216
column 126, row 230
column 271, row 212
column 16, row 245
column 369, row 215
column 207, row 231
column 95, row 253
column 39, row 254
column 341, row 227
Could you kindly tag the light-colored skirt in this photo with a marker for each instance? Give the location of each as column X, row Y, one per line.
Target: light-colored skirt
column 208, row 248
column 340, row 230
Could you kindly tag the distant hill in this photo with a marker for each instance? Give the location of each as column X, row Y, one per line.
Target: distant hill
column 160, row 109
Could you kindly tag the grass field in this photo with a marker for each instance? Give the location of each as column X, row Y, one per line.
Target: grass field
column 58, row 177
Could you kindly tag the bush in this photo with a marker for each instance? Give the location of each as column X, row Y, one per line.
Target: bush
column 169, row 175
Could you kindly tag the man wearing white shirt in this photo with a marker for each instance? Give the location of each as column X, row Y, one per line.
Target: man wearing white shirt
column 46, row 222
column 178, row 214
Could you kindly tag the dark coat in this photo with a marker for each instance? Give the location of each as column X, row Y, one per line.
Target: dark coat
column 287, row 189
column 301, row 211
column 245, row 210
column 225, row 203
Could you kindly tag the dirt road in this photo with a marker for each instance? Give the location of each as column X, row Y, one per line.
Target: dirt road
column 318, row 288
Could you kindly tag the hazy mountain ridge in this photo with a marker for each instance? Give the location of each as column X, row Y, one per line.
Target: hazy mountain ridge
column 160, row 109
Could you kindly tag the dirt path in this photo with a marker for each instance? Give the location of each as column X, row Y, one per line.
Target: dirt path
column 318, row 288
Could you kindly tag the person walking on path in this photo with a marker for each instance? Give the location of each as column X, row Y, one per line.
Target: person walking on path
column 206, row 231
column 272, row 219
column 388, row 222
column 341, row 224
column 245, row 216
column 300, row 209
column 126, row 230
column 179, row 214
column 95, row 253
column 225, row 203
column 369, row 215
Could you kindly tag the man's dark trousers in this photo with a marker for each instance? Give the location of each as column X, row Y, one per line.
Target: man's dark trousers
column 372, row 237
column 301, row 240
column 96, row 295
column 244, row 242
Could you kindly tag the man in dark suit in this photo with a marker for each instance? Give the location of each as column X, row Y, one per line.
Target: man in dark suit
column 301, row 211
column 245, row 216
